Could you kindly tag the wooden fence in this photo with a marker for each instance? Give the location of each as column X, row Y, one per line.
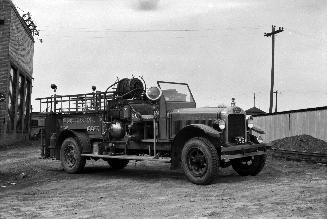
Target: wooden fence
column 312, row 121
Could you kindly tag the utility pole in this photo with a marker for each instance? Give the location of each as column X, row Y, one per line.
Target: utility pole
column 254, row 99
column 272, row 34
column 276, row 92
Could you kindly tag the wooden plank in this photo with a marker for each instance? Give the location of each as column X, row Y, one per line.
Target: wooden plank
column 279, row 126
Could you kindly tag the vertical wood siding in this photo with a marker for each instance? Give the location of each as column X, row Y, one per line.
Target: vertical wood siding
column 278, row 126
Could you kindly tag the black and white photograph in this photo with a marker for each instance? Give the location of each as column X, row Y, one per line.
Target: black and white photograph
column 163, row 109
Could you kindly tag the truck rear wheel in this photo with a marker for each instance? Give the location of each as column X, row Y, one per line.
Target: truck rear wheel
column 70, row 156
column 117, row 164
column 200, row 161
column 249, row 165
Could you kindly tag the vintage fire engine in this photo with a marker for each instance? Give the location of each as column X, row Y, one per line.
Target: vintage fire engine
column 129, row 121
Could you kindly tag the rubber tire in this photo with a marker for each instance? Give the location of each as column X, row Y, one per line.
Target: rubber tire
column 117, row 164
column 211, row 155
column 257, row 165
column 80, row 161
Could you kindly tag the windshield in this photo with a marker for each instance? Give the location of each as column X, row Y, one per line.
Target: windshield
column 176, row 92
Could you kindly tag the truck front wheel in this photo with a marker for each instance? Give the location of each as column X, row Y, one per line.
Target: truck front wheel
column 200, row 161
column 249, row 165
column 70, row 156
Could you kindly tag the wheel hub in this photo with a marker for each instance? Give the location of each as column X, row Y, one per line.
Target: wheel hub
column 70, row 155
column 247, row 161
column 197, row 162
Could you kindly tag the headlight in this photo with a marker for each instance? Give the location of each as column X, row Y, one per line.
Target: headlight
column 153, row 93
column 221, row 124
column 250, row 123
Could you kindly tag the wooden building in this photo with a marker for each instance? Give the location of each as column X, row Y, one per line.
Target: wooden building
column 16, row 70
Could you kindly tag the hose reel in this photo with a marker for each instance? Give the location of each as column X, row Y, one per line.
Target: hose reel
column 130, row 88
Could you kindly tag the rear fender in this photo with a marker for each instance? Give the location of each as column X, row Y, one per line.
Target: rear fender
column 188, row 132
column 81, row 137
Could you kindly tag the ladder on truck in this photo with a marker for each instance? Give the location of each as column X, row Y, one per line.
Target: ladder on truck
column 88, row 102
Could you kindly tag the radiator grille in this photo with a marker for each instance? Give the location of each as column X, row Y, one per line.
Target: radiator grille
column 236, row 126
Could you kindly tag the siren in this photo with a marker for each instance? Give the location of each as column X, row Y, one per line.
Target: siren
column 153, row 93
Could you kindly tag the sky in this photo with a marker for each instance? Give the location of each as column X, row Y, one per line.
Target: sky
column 216, row 46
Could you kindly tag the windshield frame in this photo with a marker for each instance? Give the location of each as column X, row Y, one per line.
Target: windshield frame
column 188, row 87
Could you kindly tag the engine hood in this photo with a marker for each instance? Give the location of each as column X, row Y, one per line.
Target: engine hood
column 183, row 117
column 196, row 113
column 204, row 113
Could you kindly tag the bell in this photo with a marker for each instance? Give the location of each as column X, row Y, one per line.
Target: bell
column 116, row 130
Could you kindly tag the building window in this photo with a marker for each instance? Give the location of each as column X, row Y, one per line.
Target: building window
column 20, row 103
column 11, row 100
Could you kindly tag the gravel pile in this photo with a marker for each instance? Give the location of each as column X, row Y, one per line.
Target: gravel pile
column 303, row 143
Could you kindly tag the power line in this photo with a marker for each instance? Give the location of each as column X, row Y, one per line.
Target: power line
column 88, row 30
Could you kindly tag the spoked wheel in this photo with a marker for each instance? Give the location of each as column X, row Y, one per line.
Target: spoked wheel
column 70, row 156
column 200, row 161
column 249, row 165
column 117, row 164
column 196, row 162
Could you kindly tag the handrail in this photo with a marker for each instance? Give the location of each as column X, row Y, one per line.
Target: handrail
column 75, row 102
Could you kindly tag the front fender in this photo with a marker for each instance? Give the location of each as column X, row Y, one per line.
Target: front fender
column 208, row 130
column 188, row 132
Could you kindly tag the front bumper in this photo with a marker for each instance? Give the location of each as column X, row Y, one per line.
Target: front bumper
column 246, row 150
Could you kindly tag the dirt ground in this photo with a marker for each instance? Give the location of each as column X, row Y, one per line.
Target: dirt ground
column 32, row 187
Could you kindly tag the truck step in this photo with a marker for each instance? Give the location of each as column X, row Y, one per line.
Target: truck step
column 130, row 157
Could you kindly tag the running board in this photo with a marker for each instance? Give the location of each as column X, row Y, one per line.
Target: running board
column 129, row 157
column 234, row 156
